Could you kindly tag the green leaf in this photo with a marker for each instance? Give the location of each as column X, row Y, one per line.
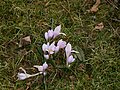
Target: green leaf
column 79, row 55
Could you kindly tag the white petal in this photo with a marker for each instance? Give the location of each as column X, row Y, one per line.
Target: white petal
column 45, row 65
column 52, row 48
column 40, row 68
column 61, row 43
column 41, row 72
column 44, row 47
column 51, row 52
column 47, row 46
column 46, row 36
column 46, row 56
column 21, row 76
column 70, row 59
column 57, row 31
column 68, row 49
column 50, row 33
column 57, row 49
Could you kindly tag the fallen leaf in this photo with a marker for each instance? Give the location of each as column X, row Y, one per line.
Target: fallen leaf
column 99, row 26
column 95, row 6
column 25, row 41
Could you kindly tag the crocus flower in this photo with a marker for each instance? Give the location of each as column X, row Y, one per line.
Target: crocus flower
column 45, row 47
column 57, row 31
column 70, row 59
column 22, row 76
column 49, row 34
column 46, row 35
column 52, row 34
column 61, row 43
column 49, row 47
column 46, row 56
column 42, row 68
column 57, row 49
column 68, row 50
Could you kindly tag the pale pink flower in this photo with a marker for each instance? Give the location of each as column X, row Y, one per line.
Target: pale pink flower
column 50, row 48
column 61, row 43
column 42, row 68
column 57, row 31
column 68, row 50
column 23, row 76
column 57, row 49
column 70, row 59
column 49, row 34
column 46, row 56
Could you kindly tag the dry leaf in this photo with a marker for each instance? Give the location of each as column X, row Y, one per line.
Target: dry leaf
column 99, row 26
column 95, row 6
column 25, row 41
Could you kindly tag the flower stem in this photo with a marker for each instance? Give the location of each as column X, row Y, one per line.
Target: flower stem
column 35, row 74
column 44, row 80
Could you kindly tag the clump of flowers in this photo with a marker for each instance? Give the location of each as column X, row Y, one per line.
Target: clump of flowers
column 49, row 49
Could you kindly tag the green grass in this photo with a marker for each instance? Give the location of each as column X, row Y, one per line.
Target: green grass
column 100, row 70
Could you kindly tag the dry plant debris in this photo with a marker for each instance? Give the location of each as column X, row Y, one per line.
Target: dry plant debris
column 25, row 41
column 99, row 26
column 95, row 6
